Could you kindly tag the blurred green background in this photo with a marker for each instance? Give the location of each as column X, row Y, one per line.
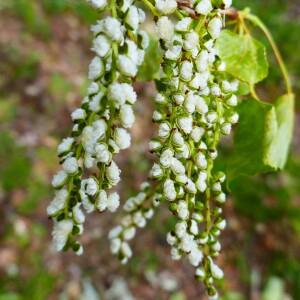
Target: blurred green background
column 44, row 57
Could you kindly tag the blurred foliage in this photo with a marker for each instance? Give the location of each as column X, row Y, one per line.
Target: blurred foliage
column 271, row 200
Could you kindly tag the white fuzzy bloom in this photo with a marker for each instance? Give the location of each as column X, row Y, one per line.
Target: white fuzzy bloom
column 113, row 173
column 166, row 6
column 61, row 232
column 132, row 51
column 65, row 145
column 187, row 242
column 112, row 28
column 113, row 202
column 173, row 53
column 142, row 15
column 90, row 186
column 139, row 219
column 164, row 130
column 145, row 39
column 233, row 119
column 96, row 68
column 201, row 183
column 171, row 239
column 169, row 190
column 182, row 210
column 177, row 139
column 166, row 158
column 59, row 178
column 189, row 103
column 211, row 117
column 101, row 45
column 214, row 27
column 179, row 99
column 157, row 116
column 197, row 133
column 129, row 233
column 215, row 90
column 102, row 154
column 201, row 161
column 87, row 205
column 126, row 65
column 115, row 232
column 94, row 104
column 132, row 17
column 78, row 215
column 177, row 167
column 149, row 213
column 199, row 81
column 115, row 245
column 194, row 227
column 58, row 202
column 180, row 228
column 98, row 4
column 232, row 101
column 156, row 171
column 195, row 256
column 221, row 197
column 126, row 250
column 202, row 61
column 186, row 124
column 204, row 7
column 127, row 116
column 70, row 165
column 102, row 201
column 122, row 138
column 93, row 88
column 164, row 29
column 78, row 114
column 191, row 40
column 216, row 271
column 190, row 186
column 226, row 128
column 183, row 25
column 154, row 145
column 175, row 253
column 226, row 86
column 186, row 70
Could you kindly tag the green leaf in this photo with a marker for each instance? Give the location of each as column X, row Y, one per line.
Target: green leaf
column 149, row 69
column 262, row 137
column 245, row 57
column 277, row 152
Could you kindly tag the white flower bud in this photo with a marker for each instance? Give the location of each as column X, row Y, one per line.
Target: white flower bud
column 221, row 197
column 164, row 130
column 149, row 213
column 200, row 104
column 169, row 190
column 59, row 178
column 145, row 40
column 202, row 61
column 187, row 242
column 126, row 66
column 177, row 139
column 101, row 45
column 122, row 138
column 113, row 173
column 190, row 187
column 189, row 103
column 78, row 114
column 180, row 228
column 233, row 119
column 217, row 273
column 139, row 220
column 156, row 171
column 102, row 154
column 78, row 215
column 221, row 225
column 129, row 233
column 211, row 117
column 226, row 128
column 60, row 233
column 165, row 6
column 216, row 187
column 201, row 161
column 195, row 256
column 164, row 29
column 157, row 116
column 197, row 133
column 227, row 3
column 183, row 25
column 232, row 101
column 175, row 253
column 186, row 124
column 186, row 71
column 154, row 145
column 204, row 7
column 182, row 210
column 96, row 68
column 178, row 99
column 214, row 27
column 160, row 99
column 65, row 145
column 113, row 202
column 171, row 239
column 115, row 245
column 215, row 90
column 58, row 202
column 70, row 165
column 132, row 17
column 166, row 158
column 112, row 28
column 173, row 53
column 98, row 4
column 177, row 167
column 126, row 250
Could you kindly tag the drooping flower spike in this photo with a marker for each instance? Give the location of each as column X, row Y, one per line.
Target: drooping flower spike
column 101, row 123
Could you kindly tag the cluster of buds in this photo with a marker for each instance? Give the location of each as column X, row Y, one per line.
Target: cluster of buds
column 195, row 105
column 101, row 124
column 138, row 211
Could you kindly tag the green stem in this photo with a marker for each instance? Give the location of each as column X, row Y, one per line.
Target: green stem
column 256, row 21
column 151, row 7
